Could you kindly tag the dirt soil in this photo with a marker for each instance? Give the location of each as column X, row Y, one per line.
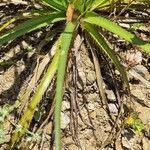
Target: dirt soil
column 86, row 123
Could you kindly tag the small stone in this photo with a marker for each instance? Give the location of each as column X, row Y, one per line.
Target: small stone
column 25, row 45
column 65, row 120
column 110, row 95
column 90, row 106
column 125, row 25
column 39, row 34
column 72, row 147
column 118, row 145
column 49, row 128
column 83, row 77
column 93, row 97
column 93, row 114
column 113, row 108
column 65, row 105
column 91, row 77
column 146, row 144
column 117, row 72
column 142, row 71
column 126, row 143
column 16, row 2
column 130, row 141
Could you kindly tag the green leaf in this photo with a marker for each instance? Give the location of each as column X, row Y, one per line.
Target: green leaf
column 98, row 3
column 98, row 20
column 7, row 24
column 104, row 46
column 42, row 87
column 55, row 4
column 65, row 3
column 31, row 25
column 66, row 41
column 89, row 3
column 79, row 5
column 138, row 126
column 24, row 15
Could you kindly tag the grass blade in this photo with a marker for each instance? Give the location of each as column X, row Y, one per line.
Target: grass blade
column 28, row 114
column 104, row 46
column 98, row 3
column 96, row 19
column 7, row 24
column 66, row 41
column 55, row 5
column 24, row 15
column 31, row 25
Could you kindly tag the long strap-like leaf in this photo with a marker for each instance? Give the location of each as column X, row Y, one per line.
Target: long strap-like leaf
column 31, row 25
column 55, row 4
column 104, row 46
column 34, row 13
column 96, row 19
column 98, row 3
column 28, row 114
column 66, row 41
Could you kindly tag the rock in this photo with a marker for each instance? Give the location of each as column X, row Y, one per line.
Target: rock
column 133, row 57
column 118, row 145
column 72, row 147
column 49, row 128
column 113, row 109
column 65, row 120
column 144, row 114
column 94, row 97
column 110, row 95
column 90, row 106
column 117, row 72
column 128, row 143
column 13, row 51
column 25, row 45
column 93, row 115
column 125, row 25
column 65, row 105
column 83, row 77
column 142, row 71
column 38, row 34
column 146, row 144
column 91, row 77
column 131, row 141
column 16, row 2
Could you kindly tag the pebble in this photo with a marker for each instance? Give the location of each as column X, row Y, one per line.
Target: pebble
column 90, row 106
column 65, row 120
column 113, row 109
column 110, row 95
column 127, row 144
column 83, row 77
column 91, row 77
column 142, row 71
column 16, row 2
column 65, row 105
column 146, row 144
column 93, row 97
column 25, row 45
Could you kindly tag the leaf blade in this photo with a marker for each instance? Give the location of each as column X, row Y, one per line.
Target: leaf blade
column 31, row 25
column 55, row 5
column 94, row 18
column 66, row 40
column 35, row 100
column 111, row 54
